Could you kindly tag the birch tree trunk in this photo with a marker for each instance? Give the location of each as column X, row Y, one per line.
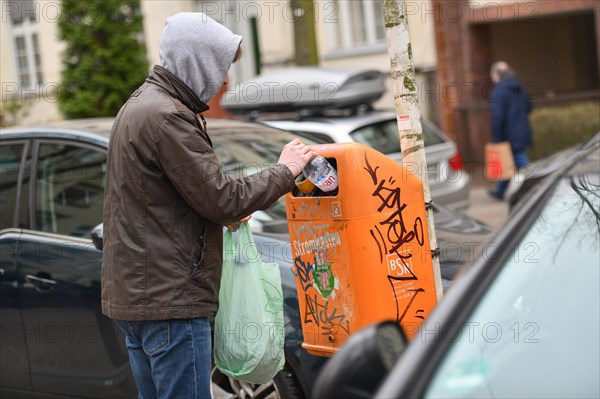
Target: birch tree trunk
column 408, row 114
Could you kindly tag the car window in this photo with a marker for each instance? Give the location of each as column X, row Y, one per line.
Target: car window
column 431, row 134
column 69, row 189
column 316, row 137
column 247, row 152
column 384, row 137
column 10, row 164
column 535, row 331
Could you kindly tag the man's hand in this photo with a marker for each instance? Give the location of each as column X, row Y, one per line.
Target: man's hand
column 295, row 156
column 234, row 226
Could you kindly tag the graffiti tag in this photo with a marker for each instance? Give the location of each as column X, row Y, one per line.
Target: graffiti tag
column 326, row 318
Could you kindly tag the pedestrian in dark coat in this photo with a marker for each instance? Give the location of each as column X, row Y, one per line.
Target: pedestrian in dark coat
column 510, row 107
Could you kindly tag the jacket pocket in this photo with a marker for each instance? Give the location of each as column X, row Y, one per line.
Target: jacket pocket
column 196, row 274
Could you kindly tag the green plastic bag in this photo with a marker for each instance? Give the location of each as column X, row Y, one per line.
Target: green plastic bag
column 249, row 333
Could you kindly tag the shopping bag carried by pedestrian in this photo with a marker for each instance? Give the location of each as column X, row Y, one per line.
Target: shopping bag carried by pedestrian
column 249, row 333
column 499, row 162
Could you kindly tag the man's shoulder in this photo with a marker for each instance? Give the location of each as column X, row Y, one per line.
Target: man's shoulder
column 500, row 91
column 147, row 113
column 157, row 100
column 154, row 103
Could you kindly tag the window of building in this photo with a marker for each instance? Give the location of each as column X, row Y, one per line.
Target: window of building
column 24, row 31
column 358, row 24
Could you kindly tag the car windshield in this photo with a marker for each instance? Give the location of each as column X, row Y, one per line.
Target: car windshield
column 246, row 151
column 535, row 331
column 384, row 137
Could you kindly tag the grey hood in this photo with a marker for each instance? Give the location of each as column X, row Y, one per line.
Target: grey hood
column 199, row 51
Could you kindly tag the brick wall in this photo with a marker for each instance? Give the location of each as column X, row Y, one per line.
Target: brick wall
column 216, row 111
column 464, row 56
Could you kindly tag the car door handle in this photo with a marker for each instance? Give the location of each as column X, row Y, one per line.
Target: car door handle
column 42, row 284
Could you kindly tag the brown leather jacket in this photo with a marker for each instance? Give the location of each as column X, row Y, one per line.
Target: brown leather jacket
column 165, row 204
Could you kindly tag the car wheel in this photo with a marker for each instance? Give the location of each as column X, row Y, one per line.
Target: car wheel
column 283, row 386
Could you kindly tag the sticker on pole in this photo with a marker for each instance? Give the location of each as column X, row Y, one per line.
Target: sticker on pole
column 404, row 122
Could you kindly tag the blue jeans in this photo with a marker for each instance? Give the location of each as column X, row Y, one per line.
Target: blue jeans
column 169, row 358
column 521, row 161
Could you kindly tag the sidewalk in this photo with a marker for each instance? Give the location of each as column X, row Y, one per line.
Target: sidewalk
column 483, row 207
column 486, row 208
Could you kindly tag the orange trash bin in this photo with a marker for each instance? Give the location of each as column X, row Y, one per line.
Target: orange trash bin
column 361, row 255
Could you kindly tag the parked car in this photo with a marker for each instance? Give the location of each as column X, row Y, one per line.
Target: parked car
column 523, row 321
column 528, row 179
column 325, row 106
column 448, row 180
column 54, row 337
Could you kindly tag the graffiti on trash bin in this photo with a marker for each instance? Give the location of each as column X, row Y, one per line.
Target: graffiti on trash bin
column 315, row 246
column 320, row 311
column 325, row 316
column 304, row 271
column 317, row 274
column 390, row 235
column 412, row 295
column 316, row 241
column 394, row 227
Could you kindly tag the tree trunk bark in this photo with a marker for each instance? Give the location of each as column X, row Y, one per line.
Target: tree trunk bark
column 408, row 114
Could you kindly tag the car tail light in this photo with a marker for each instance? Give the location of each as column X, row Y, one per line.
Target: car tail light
column 456, row 162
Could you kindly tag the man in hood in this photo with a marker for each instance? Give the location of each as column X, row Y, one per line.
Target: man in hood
column 166, row 202
column 510, row 108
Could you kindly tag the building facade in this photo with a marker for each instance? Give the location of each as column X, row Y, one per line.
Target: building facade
column 346, row 34
column 553, row 45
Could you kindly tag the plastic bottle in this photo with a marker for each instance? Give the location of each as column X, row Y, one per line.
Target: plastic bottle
column 322, row 174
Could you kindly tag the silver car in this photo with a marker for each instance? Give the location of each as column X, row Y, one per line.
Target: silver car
column 325, row 105
column 448, row 180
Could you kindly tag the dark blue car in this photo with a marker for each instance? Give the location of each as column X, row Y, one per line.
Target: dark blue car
column 53, row 336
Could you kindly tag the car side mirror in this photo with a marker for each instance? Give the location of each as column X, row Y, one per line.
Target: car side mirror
column 362, row 363
column 98, row 236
